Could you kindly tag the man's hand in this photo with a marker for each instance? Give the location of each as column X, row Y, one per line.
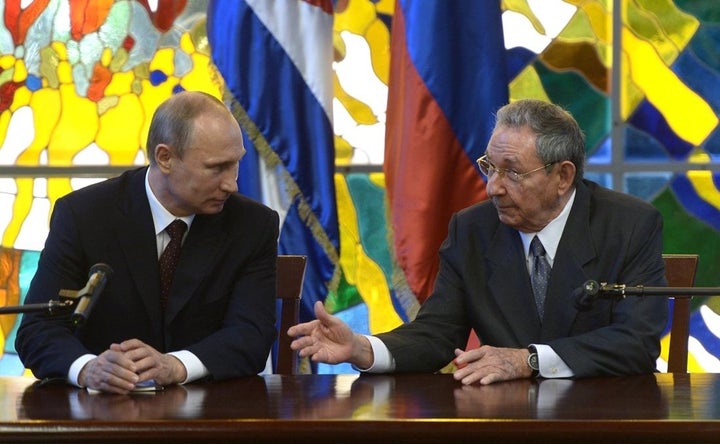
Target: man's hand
column 328, row 339
column 110, row 372
column 124, row 365
column 151, row 364
column 491, row 364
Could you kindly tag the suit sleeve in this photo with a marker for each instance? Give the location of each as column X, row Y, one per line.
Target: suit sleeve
column 241, row 345
column 45, row 342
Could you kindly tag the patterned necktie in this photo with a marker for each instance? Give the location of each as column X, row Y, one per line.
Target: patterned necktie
column 540, row 274
column 169, row 258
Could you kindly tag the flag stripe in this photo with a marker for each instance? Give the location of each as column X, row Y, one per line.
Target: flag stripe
column 275, row 58
column 444, row 87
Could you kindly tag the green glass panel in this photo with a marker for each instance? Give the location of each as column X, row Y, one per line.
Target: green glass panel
column 590, row 108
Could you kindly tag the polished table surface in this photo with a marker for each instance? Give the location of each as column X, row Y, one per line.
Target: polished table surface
column 350, row 408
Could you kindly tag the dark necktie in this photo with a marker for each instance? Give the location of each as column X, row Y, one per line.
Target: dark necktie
column 169, row 258
column 540, row 274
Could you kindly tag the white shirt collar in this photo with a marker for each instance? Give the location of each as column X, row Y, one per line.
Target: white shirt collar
column 161, row 216
column 551, row 234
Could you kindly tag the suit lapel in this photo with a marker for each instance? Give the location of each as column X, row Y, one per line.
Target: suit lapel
column 509, row 284
column 202, row 248
column 574, row 251
column 136, row 235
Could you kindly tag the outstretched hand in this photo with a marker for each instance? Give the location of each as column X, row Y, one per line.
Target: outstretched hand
column 328, row 339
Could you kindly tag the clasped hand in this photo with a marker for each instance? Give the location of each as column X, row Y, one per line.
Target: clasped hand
column 120, row 368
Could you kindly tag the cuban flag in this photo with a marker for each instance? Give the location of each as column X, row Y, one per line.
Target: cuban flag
column 275, row 57
column 447, row 78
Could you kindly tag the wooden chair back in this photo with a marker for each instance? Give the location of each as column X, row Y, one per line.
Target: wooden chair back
column 680, row 272
column 290, row 277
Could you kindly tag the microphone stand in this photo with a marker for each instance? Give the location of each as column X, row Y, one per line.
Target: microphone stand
column 592, row 290
column 595, row 289
column 51, row 307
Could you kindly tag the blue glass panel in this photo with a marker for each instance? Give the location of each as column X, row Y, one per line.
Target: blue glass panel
column 699, row 77
column 602, row 155
column 712, row 144
column 705, row 45
column 517, row 59
column 640, row 146
column 706, row 11
column 648, row 119
column 604, row 179
column 689, row 198
column 647, row 186
column 10, row 364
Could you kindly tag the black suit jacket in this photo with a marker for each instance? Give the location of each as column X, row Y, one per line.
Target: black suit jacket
column 222, row 304
column 483, row 283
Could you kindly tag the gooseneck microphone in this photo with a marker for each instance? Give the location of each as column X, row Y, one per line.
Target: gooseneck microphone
column 87, row 296
column 586, row 295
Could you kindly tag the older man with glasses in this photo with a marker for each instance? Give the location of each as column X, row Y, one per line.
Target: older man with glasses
column 513, row 268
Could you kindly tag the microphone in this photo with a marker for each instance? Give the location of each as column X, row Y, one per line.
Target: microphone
column 87, row 296
column 585, row 296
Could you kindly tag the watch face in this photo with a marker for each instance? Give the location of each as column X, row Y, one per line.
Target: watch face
column 533, row 361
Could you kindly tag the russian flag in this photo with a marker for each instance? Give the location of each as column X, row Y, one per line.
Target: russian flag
column 275, row 57
column 447, row 78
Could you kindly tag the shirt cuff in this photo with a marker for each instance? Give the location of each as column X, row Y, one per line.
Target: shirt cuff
column 383, row 360
column 194, row 368
column 76, row 367
column 551, row 364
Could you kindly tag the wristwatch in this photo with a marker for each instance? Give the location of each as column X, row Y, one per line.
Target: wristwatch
column 532, row 361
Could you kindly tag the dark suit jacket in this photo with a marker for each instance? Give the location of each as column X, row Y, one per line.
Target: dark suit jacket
column 222, row 304
column 483, row 283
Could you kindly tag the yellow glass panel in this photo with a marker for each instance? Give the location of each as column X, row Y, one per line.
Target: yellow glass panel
column 120, row 83
column 359, row 269
column 676, row 25
column 378, row 37
column 343, row 151
column 356, row 18
column 163, row 60
column 686, row 112
column 522, row 7
column 527, row 85
column 119, row 129
column 46, row 106
column 360, row 111
column 76, row 128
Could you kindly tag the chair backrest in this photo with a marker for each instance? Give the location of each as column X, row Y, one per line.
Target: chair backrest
column 680, row 272
column 290, row 277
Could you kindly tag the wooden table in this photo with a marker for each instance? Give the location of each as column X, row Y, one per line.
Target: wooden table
column 347, row 408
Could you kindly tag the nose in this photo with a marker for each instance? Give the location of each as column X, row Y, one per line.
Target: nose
column 229, row 181
column 495, row 185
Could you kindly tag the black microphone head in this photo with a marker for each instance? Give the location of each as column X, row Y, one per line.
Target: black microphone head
column 585, row 295
column 97, row 278
column 105, row 268
column 591, row 288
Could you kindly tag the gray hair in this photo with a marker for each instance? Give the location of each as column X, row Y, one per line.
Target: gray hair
column 173, row 121
column 559, row 136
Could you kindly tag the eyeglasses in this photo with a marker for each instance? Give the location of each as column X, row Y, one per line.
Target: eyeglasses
column 488, row 169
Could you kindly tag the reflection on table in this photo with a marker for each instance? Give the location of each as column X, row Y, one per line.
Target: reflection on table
column 351, row 408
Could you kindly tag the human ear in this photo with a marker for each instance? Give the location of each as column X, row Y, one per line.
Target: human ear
column 163, row 154
column 566, row 174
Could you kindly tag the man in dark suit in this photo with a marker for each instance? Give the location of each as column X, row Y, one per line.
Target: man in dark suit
column 219, row 318
column 528, row 322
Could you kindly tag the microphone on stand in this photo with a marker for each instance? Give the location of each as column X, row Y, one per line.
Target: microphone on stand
column 88, row 295
column 586, row 295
